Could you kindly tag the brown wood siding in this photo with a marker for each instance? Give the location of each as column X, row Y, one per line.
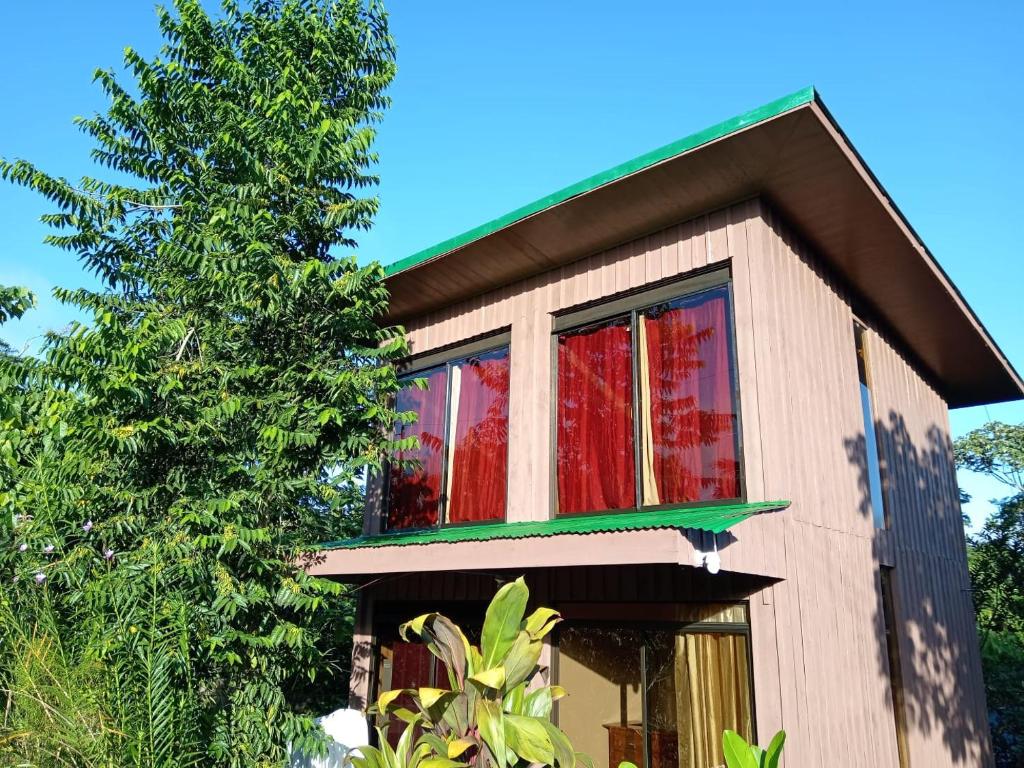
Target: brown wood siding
column 941, row 665
column 820, row 664
column 833, row 676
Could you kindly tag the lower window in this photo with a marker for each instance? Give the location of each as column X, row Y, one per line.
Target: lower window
column 658, row 697
column 400, row 664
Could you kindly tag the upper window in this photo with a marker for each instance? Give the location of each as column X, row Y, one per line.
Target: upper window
column 647, row 412
column 872, row 449
column 457, row 470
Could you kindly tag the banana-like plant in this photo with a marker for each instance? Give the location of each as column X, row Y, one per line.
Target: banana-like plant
column 490, row 716
column 740, row 754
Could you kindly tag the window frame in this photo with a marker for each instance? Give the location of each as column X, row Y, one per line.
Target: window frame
column 889, row 609
column 862, row 357
column 676, row 625
column 632, row 304
column 447, row 357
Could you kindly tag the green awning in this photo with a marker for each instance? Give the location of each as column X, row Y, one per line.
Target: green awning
column 713, row 518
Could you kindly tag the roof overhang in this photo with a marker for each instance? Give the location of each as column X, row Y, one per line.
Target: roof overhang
column 794, row 155
column 620, row 538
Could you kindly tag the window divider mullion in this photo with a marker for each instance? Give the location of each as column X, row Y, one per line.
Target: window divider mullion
column 645, row 729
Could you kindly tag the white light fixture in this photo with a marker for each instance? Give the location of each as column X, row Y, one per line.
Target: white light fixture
column 710, row 560
column 713, row 562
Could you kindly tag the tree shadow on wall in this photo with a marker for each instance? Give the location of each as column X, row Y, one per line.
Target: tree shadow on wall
column 933, row 615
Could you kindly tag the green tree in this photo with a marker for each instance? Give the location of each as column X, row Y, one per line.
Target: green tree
column 996, row 561
column 164, row 463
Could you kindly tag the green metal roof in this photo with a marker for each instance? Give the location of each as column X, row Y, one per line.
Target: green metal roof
column 766, row 112
column 714, row 518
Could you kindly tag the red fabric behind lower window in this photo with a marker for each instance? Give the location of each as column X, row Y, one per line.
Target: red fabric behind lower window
column 415, row 491
column 693, row 416
column 479, row 466
column 595, row 419
column 410, row 668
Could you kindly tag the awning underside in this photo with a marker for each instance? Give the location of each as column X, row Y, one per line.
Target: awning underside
column 712, row 518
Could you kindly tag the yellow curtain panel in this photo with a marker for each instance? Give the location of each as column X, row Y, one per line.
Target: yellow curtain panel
column 712, row 694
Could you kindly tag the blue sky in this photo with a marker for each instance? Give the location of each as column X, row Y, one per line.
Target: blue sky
column 499, row 103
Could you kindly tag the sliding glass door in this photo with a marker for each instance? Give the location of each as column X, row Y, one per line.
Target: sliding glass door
column 658, row 697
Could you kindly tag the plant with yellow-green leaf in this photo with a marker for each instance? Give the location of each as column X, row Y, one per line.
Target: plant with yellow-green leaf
column 490, row 716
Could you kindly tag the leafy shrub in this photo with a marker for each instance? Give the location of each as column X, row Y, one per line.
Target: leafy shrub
column 740, row 754
column 489, row 716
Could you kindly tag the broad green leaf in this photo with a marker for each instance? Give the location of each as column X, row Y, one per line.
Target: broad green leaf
column 429, row 696
column 434, row 743
column 447, row 642
column 490, row 720
column 527, row 737
column 565, row 757
column 541, row 622
column 387, row 698
column 737, row 751
column 415, row 626
column 441, row 762
column 369, row 757
column 491, row 678
column 457, row 747
column 406, row 715
column 454, row 712
column 537, row 703
column 501, row 621
column 773, row 754
column 512, row 699
column 522, row 659
column 404, row 747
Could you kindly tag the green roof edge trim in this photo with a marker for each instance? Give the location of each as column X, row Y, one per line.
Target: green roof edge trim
column 732, row 125
column 714, row 518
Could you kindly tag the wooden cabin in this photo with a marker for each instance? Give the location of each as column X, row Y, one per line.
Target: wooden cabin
column 700, row 401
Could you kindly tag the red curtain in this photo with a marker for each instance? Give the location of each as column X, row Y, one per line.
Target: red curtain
column 693, row 416
column 595, row 419
column 479, row 448
column 410, row 668
column 415, row 489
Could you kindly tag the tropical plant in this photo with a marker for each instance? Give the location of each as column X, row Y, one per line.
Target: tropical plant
column 489, row 716
column 164, row 463
column 740, row 754
column 995, row 556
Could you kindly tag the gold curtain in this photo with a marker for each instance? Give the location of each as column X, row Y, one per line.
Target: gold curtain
column 649, row 482
column 712, row 694
column 453, row 420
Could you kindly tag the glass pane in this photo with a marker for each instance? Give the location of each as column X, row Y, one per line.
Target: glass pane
column 713, row 613
column 602, row 715
column 663, row 726
column 699, row 685
column 688, row 429
column 415, row 476
column 873, row 468
column 402, row 665
column 478, row 469
column 595, row 419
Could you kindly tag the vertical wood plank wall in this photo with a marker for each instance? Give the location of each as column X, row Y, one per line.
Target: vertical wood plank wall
column 820, row 663
column 938, row 642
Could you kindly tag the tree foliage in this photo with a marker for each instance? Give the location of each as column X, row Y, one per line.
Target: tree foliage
column 995, row 449
column 163, row 464
column 996, row 561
